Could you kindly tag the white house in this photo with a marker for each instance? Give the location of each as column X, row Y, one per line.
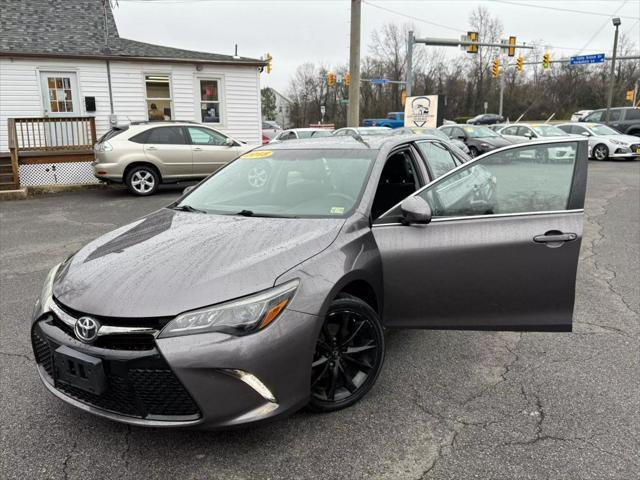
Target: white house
column 64, row 58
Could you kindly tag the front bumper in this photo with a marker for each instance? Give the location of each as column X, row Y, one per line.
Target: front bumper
column 190, row 381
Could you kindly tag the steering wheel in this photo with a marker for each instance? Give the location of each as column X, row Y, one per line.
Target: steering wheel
column 347, row 198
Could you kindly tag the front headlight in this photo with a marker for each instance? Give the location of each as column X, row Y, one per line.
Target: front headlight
column 485, row 145
column 238, row 317
column 618, row 142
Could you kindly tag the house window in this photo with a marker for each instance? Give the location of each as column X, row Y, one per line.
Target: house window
column 210, row 105
column 158, row 90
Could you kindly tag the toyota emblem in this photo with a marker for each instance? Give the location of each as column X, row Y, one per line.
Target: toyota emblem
column 86, row 329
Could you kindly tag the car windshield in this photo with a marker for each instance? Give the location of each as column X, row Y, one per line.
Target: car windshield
column 479, row 132
column 286, row 183
column 548, row 131
column 603, row 130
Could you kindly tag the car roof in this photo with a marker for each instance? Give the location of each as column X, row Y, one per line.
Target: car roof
column 308, row 129
column 347, row 142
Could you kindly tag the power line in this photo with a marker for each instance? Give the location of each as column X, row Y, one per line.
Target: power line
column 429, row 22
column 559, row 9
column 606, row 22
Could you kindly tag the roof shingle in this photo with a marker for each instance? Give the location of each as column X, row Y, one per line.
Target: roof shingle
column 76, row 28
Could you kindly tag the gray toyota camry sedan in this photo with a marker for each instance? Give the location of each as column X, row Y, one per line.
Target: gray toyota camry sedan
column 268, row 287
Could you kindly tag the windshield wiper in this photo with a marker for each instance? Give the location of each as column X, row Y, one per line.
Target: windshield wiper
column 187, row 208
column 251, row 213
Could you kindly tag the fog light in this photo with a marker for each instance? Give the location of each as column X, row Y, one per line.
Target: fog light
column 253, row 381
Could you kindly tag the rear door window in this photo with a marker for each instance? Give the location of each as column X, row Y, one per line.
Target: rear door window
column 167, row 136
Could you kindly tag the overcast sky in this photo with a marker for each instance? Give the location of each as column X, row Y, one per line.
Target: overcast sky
column 298, row 31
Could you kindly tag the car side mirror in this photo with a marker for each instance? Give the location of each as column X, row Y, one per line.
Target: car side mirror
column 415, row 209
column 586, row 134
column 528, row 135
column 461, row 137
column 229, row 142
column 188, row 189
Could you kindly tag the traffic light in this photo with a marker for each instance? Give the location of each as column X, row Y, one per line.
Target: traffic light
column 495, row 69
column 630, row 95
column 546, row 60
column 268, row 58
column 347, row 79
column 331, row 79
column 473, row 37
column 512, row 47
column 520, row 63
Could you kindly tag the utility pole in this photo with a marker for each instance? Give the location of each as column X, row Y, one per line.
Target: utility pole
column 503, row 64
column 616, row 23
column 353, row 109
column 409, row 72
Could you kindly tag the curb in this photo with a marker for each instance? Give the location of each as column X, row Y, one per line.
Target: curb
column 26, row 192
column 19, row 194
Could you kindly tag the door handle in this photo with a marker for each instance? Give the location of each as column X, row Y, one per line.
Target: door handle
column 555, row 237
column 151, row 148
column 197, row 149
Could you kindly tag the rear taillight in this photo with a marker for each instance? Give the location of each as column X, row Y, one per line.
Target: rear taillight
column 265, row 139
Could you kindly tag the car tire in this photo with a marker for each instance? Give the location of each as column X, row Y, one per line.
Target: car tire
column 600, row 152
column 473, row 152
column 349, row 355
column 142, row 181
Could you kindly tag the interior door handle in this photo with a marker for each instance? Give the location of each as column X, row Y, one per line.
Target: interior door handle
column 555, row 237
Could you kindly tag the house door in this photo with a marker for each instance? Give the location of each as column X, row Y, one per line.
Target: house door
column 61, row 100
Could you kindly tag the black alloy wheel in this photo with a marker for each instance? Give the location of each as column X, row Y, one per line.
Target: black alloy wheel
column 348, row 357
column 473, row 152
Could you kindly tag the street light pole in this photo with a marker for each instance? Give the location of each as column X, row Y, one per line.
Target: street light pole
column 409, row 67
column 353, row 109
column 616, row 23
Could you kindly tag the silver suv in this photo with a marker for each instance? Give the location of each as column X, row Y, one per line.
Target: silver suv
column 144, row 155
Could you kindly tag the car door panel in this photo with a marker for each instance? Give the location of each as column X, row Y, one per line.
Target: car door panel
column 485, row 269
column 210, row 152
column 454, row 267
column 167, row 148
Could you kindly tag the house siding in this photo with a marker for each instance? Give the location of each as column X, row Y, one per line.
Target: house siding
column 20, row 93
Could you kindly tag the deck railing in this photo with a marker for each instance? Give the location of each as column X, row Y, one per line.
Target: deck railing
column 48, row 134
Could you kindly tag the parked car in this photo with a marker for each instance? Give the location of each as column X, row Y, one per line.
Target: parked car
column 393, row 120
column 145, row 154
column 496, row 127
column 479, row 139
column 579, row 115
column 624, row 119
column 300, row 133
column 486, row 119
column 436, row 133
column 526, row 132
column 269, row 130
column 361, row 131
column 605, row 142
column 238, row 304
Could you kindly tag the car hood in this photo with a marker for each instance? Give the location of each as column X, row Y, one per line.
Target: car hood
column 630, row 139
column 170, row 262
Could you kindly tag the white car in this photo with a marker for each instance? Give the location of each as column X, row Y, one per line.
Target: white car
column 526, row 132
column 299, row 133
column 362, row 131
column 604, row 141
column 579, row 115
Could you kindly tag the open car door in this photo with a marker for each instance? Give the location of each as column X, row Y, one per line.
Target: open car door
column 498, row 248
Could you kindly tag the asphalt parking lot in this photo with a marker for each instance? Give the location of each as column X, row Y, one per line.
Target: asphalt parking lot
column 448, row 405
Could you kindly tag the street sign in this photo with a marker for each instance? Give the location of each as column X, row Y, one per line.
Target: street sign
column 323, row 110
column 585, row 59
column 379, row 81
column 344, row 101
column 422, row 111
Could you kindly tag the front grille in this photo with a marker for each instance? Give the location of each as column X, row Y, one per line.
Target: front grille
column 42, row 351
column 140, row 387
column 635, row 147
